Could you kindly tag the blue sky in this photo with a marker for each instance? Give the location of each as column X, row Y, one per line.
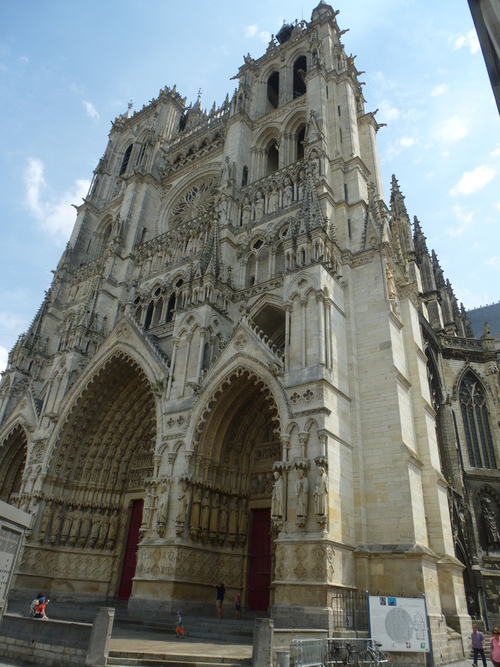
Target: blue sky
column 67, row 69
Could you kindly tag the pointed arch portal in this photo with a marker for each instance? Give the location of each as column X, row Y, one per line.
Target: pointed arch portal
column 236, row 444
column 101, row 458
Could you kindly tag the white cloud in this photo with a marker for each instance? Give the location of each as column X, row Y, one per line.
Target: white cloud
column 469, row 40
column 439, row 90
column 452, row 129
column 55, row 217
column 251, row 30
column 24, row 59
column 387, row 111
column 496, row 152
column 494, row 262
column 465, row 219
column 91, row 110
column 3, row 358
column 473, row 181
column 406, row 142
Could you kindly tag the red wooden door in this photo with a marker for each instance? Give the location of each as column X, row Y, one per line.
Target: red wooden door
column 130, row 560
column 260, row 566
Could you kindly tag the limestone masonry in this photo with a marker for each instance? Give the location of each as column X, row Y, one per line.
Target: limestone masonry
column 249, row 368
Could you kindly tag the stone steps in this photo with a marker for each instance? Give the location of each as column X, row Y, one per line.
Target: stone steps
column 133, row 659
column 199, row 627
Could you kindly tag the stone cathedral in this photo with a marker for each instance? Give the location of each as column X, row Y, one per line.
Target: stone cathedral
column 250, row 368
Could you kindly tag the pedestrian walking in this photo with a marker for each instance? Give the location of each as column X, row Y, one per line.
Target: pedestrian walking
column 477, row 639
column 237, row 605
column 179, row 626
column 221, row 591
column 495, row 648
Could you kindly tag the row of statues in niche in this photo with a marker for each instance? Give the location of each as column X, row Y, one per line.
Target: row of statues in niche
column 279, row 195
column 301, row 498
column 213, row 517
column 79, row 525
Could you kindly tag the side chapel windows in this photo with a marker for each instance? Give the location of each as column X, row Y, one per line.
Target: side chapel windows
column 476, row 424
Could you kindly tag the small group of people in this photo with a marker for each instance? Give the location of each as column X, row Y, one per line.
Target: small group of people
column 38, row 606
column 478, row 644
column 221, row 592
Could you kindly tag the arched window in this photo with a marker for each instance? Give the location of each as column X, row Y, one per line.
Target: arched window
column 125, row 160
column 476, row 424
column 273, row 91
column 272, row 159
column 299, row 76
column 244, row 177
column 157, row 313
column 250, row 272
column 149, row 315
column 300, row 143
column 170, row 308
column 279, row 261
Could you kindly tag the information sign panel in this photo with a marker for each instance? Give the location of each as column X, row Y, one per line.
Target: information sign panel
column 399, row 624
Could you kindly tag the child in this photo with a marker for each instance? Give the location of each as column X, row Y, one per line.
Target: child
column 179, row 626
column 34, row 604
column 237, row 605
column 40, row 608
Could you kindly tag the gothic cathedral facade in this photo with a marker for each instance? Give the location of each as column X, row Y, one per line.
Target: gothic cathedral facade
column 250, row 368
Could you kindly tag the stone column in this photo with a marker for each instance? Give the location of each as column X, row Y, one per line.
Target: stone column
column 201, row 352
column 172, row 366
column 328, row 318
column 321, row 327
column 303, row 303
column 186, row 363
column 288, row 310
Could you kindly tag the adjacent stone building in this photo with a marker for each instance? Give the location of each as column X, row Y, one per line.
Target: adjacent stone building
column 250, row 368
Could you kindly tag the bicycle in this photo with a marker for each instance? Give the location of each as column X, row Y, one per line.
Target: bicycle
column 374, row 656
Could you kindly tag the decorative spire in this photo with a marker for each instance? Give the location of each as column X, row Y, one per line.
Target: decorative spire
column 398, row 208
column 419, row 241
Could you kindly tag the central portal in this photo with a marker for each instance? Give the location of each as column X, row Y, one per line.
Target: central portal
column 260, row 565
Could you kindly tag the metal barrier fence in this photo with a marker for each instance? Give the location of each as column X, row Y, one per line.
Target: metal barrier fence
column 337, row 651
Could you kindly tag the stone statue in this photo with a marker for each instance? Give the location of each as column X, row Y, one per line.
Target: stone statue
column 259, row 205
column 233, row 516
column 113, row 530
column 223, row 519
column 321, row 493
column 103, row 532
column 68, row 519
column 301, row 491
column 161, row 515
column 287, row 194
column 243, row 523
column 45, row 521
column 490, row 523
column 243, row 518
column 245, row 213
column 182, row 508
column 146, row 511
column 56, row 525
column 75, row 526
column 273, row 201
column 214, row 515
column 195, row 511
column 96, row 527
column 84, row 532
column 277, row 500
column 205, row 510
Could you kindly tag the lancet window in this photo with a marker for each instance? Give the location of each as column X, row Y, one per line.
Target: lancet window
column 125, row 160
column 476, row 424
